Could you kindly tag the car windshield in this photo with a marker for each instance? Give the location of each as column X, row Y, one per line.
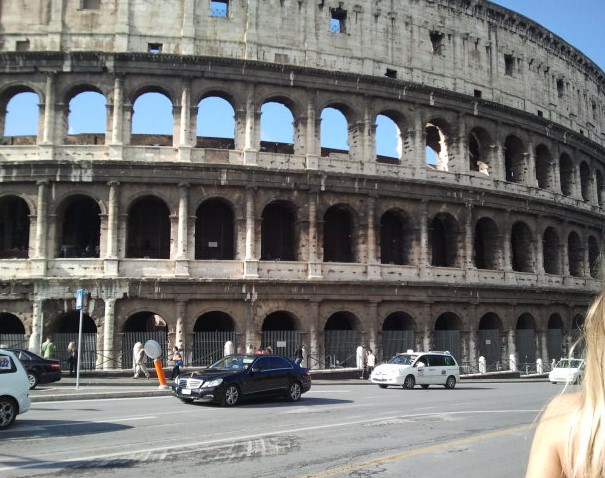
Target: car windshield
column 403, row 359
column 233, row 362
column 566, row 363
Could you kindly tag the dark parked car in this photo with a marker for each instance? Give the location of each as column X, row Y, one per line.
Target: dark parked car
column 235, row 377
column 39, row 370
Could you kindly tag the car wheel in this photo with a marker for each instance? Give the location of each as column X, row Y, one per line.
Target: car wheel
column 383, row 386
column 187, row 400
column 424, row 386
column 450, row 382
column 8, row 412
column 294, row 391
column 231, row 396
column 33, row 380
column 409, row 382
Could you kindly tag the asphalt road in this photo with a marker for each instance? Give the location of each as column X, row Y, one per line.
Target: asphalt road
column 477, row 430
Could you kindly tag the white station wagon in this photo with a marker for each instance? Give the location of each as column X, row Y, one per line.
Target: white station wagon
column 422, row 368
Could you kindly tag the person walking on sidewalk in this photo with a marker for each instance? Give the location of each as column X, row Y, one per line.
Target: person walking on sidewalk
column 138, row 360
column 72, row 358
column 48, row 348
column 370, row 362
column 177, row 362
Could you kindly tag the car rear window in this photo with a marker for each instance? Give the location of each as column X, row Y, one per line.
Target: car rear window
column 7, row 365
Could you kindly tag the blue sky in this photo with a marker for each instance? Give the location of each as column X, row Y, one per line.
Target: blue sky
column 579, row 22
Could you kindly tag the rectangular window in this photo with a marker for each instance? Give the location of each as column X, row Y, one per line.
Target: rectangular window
column 338, row 20
column 219, row 8
column 391, row 73
column 560, row 88
column 437, row 42
column 509, row 65
column 154, row 48
column 477, row 93
column 22, row 45
column 90, row 4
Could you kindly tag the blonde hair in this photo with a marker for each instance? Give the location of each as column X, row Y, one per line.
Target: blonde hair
column 585, row 451
column 71, row 346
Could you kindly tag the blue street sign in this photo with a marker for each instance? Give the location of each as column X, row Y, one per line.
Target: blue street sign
column 79, row 299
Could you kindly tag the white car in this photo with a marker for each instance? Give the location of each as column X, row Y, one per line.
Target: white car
column 14, row 388
column 567, row 371
column 422, row 368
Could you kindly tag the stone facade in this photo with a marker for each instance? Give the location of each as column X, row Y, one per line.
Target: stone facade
column 492, row 250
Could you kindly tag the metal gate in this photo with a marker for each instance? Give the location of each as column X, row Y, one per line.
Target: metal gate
column 449, row 340
column 490, row 348
column 525, row 341
column 340, row 347
column 209, row 346
column 88, row 349
column 15, row 341
column 554, row 344
column 394, row 341
column 283, row 342
column 131, row 338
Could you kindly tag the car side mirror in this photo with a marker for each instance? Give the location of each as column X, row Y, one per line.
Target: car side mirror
column 255, row 369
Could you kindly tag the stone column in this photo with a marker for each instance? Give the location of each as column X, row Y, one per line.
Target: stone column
column 314, row 270
column 184, row 144
column 179, row 332
column 41, row 221
column 182, row 255
column 109, row 353
column 35, row 339
column 468, row 238
column 373, row 327
column 512, row 350
column 111, row 259
column 312, row 138
column 314, row 346
column 49, row 110
column 373, row 266
column 423, row 259
column 251, row 135
column 506, row 246
column 250, row 261
column 419, row 142
column 540, row 250
column 118, row 119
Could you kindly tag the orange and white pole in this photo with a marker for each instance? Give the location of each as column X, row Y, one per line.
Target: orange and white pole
column 157, row 363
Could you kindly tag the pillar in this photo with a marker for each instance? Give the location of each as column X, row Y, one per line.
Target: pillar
column 49, row 110
column 118, row 119
column 109, row 353
column 250, row 261
column 35, row 339
column 41, row 221
column 111, row 260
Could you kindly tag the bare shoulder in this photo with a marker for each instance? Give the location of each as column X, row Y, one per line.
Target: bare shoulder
column 563, row 406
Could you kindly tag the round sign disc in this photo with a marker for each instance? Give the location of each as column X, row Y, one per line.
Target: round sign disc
column 152, row 349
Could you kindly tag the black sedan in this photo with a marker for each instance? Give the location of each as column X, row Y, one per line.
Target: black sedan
column 39, row 370
column 236, row 377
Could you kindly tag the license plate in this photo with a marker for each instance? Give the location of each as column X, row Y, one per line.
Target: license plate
column 185, row 391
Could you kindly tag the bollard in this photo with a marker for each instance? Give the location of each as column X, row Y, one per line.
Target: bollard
column 482, row 365
column 157, row 363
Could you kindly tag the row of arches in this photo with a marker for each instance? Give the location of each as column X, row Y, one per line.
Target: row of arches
column 342, row 333
column 282, row 127
column 399, row 235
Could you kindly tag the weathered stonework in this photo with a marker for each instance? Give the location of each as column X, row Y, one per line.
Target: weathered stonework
column 503, row 234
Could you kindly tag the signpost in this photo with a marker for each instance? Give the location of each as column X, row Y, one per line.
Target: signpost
column 81, row 303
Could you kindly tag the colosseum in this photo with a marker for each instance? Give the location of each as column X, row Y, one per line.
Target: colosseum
column 481, row 234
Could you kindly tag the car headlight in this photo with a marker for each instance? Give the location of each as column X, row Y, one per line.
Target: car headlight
column 213, row 383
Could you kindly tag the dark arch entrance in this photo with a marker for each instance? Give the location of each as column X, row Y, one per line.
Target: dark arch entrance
column 278, row 232
column 148, row 229
column 279, row 333
column 214, row 237
column 12, row 332
column 337, row 237
column 447, row 334
column 555, row 337
column 489, row 337
column 525, row 339
column 14, row 228
column 80, row 226
column 210, row 333
column 67, row 331
column 141, row 327
column 398, row 334
column 395, row 238
column 341, row 340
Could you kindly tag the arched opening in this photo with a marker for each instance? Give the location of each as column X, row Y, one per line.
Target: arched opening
column 152, row 120
column 436, row 148
column 80, row 227
column 21, row 119
column 544, row 171
column 338, row 235
column 279, row 232
column 276, row 128
column 514, row 160
column 396, row 236
column 551, row 247
column 566, row 174
column 388, row 140
column 280, row 334
column 554, row 338
column 575, row 255
column 447, row 334
column 585, row 182
column 68, row 331
column 488, row 245
column 215, row 124
column 211, row 332
column 443, row 240
column 12, row 332
column 600, row 188
column 334, row 132
column 87, row 119
column 490, row 340
column 594, row 258
column 525, row 341
column 148, row 229
column 398, row 334
column 341, row 340
column 479, row 151
column 522, row 248
column 214, row 231
column 14, row 228
column 141, row 327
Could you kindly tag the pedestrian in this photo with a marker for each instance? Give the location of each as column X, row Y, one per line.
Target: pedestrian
column 570, row 437
column 48, row 348
column 177, row 362
column 370, row 362
column 72, row 358
column 298, row 355
column 269, row 350
column 138, row 360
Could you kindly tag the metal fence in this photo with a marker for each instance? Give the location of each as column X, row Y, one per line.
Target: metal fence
column 283, row 342
column 88, row 349
column 208, row 347
column 395, row 341
column 14, row 341
column 131, row 338
column 341, row 346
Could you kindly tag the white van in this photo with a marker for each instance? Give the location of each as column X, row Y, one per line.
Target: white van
column 422, row 368
column 14, row 389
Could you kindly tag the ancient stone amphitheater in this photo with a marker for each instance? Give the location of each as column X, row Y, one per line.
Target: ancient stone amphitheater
column 482, row 235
